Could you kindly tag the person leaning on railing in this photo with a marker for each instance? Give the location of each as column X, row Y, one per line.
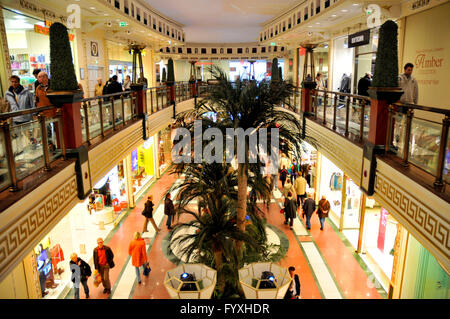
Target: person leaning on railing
column 20, row 99
column 41, row 94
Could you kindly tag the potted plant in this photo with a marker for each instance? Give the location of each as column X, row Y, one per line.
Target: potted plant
column 385, row 78
column 63, row 85
column 164, row 76
column 170, row 73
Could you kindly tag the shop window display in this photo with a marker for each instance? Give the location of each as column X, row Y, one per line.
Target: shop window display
column 142, row 166
column 164, row 149
column 331, row 182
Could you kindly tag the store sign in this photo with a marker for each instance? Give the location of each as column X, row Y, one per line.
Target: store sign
column 122, row 24
column 382, row 229
column 419, row 4
column 148, row 143
column 359, row 38
column 44, row 30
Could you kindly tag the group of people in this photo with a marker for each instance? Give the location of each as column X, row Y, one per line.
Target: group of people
column 112, row 86
column 103, row 256
column 21, row 98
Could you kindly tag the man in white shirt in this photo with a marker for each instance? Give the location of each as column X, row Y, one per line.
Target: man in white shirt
column 409, row 85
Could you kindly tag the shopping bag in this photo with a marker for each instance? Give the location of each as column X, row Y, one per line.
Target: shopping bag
column 147, row 269
column 282, row 211
column 97, row 278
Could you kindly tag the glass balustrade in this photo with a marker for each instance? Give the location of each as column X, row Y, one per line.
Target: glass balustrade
column 5, row 179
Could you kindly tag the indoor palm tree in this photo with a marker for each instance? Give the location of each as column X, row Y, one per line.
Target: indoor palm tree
column 247, row 105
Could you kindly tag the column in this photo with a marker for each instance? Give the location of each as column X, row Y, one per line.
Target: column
column 360, row 248
column 344, row 199
column 71, row 118
column 129, row 182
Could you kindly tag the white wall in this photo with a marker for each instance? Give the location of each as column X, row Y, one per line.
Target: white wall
column 343, row 62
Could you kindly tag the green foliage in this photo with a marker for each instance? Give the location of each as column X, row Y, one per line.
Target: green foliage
column 170, row 72
column 386, row 64
column 62, row 70
column 275, row 72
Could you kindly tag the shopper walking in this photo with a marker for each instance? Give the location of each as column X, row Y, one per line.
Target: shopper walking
column 309, row 207
column 169, row 210
column 283, row 176
column 103, row 262
column 290, row 210
column 35, row 74
column 127, row 83
column 81, row 271
column 138, row 254
column 300, row 189
column 288, row 187
column 284, row 161
column 322, row 210
column 409, row 85
column 293, row 291
column 293, row 170
column 20, row 99
column 41, row 94
column 148, row 214
column 114, row 87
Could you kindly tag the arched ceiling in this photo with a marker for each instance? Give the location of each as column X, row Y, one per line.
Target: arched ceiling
column 221, row 21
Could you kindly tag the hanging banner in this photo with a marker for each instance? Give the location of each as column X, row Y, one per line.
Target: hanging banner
column 382, row 229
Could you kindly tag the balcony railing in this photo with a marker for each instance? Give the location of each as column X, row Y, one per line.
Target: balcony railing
column 108, row 112
column 420, row 142
column 30, row 146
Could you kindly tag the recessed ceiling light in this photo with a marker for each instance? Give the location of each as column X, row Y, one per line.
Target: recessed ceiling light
column 310, row 26
column 317, row 22
column 334, row 15
column 344, row 10
column 105, row 14
column 356, row 4
column 92, row 8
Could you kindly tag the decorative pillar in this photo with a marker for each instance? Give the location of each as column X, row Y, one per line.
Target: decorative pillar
column 308, row 83
column 129, row 182
column 344, row 199
column 71, row 118
column 359, row 248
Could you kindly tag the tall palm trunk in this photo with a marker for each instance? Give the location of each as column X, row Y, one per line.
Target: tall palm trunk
column 242, row 200
column 220, row 277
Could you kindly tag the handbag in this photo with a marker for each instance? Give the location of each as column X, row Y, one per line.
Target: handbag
column 97, row 278
column 282, row 211
column 147, row 269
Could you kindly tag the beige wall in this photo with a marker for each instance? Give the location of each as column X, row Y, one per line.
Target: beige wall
column 426, row 38
column 14, row 286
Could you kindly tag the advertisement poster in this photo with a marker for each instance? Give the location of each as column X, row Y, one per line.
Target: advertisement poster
column 134, row 160
column 382, row 229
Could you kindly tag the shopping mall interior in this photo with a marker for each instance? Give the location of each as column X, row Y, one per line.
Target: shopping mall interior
column 106, row 103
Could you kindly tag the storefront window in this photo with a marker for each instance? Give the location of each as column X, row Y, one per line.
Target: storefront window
column 121, row 69
column 343, row 61
column 331, row 183
column 365, row 58
column 165, row 149
column 142, row 166
column 29, row 46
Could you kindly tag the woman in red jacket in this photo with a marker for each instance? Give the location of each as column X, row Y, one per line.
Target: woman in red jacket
column 138, row 253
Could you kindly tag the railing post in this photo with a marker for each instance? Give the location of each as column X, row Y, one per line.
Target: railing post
column 10, row 157
column 347, row 115
column 63, row 143
column 100, row 106
column 335, row 111
column 151, row 101
column 123, row 107
column 325, row 108
column 389, row 129
column 361, row 126
column 113, row 113
column 407, row 137
column 86, row 123
column 41, row 119
column 315, row 105
column 438, row 183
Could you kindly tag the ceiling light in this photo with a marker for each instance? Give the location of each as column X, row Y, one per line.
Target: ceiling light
column 105, row 14
column 334, row 15
column 317, row 22
column 344, row 10
column 92, row 8
column 356, row 4
column 310, row 26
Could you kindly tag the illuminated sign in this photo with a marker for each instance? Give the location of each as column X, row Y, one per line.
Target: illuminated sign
column 122, row 24
column 46, row 31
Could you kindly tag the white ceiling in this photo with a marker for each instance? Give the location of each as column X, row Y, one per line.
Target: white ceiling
column 221, row 21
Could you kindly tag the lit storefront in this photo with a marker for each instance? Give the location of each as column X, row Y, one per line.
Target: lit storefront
column 78, row 232
column 143, row 168
column 28, row 44
column 164, row 149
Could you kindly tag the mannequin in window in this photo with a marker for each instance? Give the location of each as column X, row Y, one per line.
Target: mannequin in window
column 344, row 87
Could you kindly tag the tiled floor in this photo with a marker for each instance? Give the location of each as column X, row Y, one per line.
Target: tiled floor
column 325, row 265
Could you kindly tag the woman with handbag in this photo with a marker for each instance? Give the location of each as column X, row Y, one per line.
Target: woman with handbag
column 138, row 254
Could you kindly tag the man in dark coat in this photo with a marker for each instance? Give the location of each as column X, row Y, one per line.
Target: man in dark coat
column 103, row 261
column 169, row 210
column 148, row 214
column 309, row 207
column 114, row 87
column 290, row 209
column 294, row 289
column 364, row 83
column 81, row 271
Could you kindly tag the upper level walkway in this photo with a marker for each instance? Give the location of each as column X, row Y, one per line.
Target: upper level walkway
column 46, row 176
